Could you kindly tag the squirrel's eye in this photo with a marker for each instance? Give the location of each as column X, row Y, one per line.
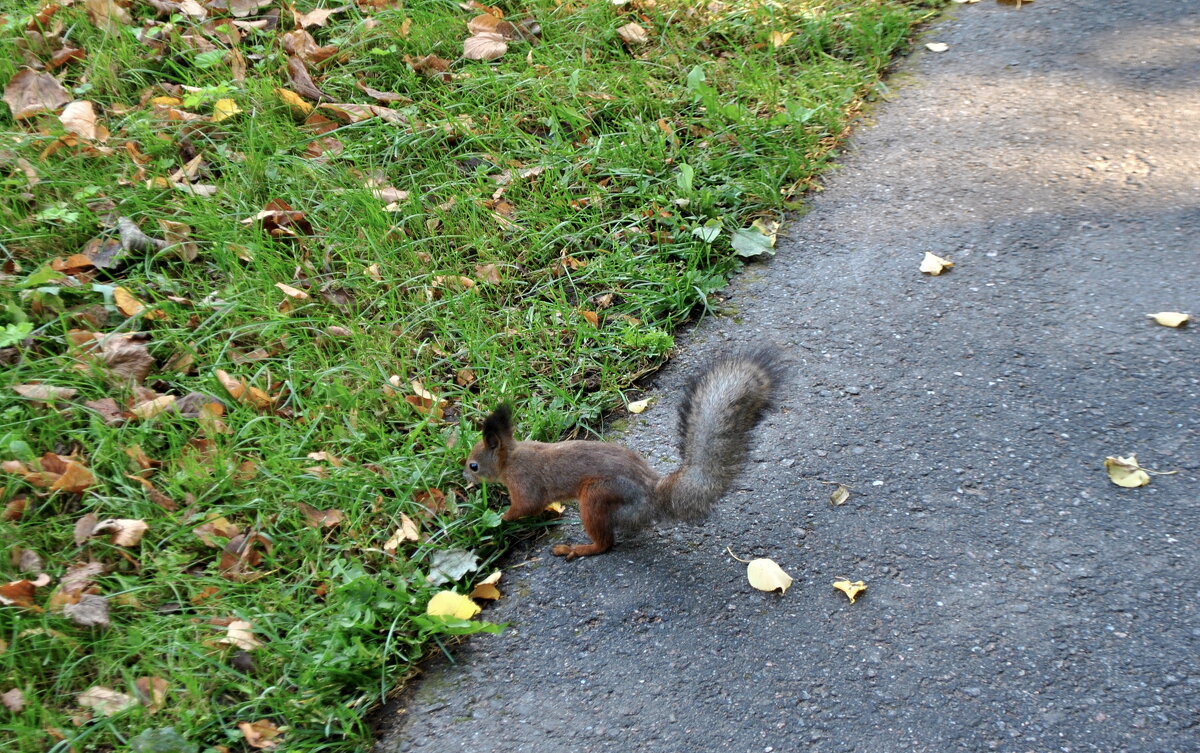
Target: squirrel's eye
column 474, row 466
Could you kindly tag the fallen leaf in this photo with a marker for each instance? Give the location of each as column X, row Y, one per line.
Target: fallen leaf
column 633, row 33
column 44, row 393
column 1170, row 318
column 452, row 604
column 750, row 242
column 555, row 508
column 765, row 575
column 932, row 47
column 215, row 526
column 301, row 80
column 124, row 531
column 486, row 588
column 638, row 406
column 294, row 100
column 152, row 692
column 301, row 44
column 148, row 409
column 13, row 700
column 105, row 700
column 240, row 556
column 240, row 633
column 382, row 96
column 321, row 518
column 126, row 302
column 780, row 38
column 90, row 611
column 53, row 472
column 224, row 109
column 1126, row 472
column 852, row 590
column 29, row 93
column 408, row 531
column 260, row 734
column 935, row 265
column 239, row 391
column 79, row 118
column 19, row 593
column 178, row 238
column 839, row 495
column 291, row 292
column 449, row 565
column 315, row 17
column 485, row 46
column 430, row 66
column 84, row 527
column 279, row 220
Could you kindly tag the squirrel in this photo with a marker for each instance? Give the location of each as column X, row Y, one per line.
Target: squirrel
column 615, row 486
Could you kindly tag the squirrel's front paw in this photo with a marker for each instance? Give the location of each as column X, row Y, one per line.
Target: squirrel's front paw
column 564, row 550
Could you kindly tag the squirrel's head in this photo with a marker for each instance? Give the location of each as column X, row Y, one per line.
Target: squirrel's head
column 490, row 454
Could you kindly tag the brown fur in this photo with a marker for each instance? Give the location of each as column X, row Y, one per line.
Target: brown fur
column 614, row 484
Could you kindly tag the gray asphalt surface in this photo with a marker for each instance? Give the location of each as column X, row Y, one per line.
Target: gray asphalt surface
column 1017, row 600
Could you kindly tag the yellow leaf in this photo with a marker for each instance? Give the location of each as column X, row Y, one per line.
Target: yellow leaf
column 148, row 409
column 294, row 100
column 1170, row 318
column 486, row 588
column 1126, row 472
column 850, row 589
column 127, row 304
column 224, row 108
column 765, row 575
column 638, row 406
column 935, row 265
column 556, row 508
column 451, row 604
column 780, row 38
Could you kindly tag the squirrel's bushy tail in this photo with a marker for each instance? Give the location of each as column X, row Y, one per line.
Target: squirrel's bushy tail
column 722, row 404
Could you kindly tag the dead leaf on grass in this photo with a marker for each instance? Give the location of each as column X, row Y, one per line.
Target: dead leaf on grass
column 152, row 692
column 321, row 518
column 19, row 593
column 300, row 43
column 315, row 17
column 30, row 92
column 241, row 555
column 261, row 734
column 633, row 33
column 79, row 118
column 122, row 531
column 409, row 530
column 430, row 66
column 90, row 611
column 240, row 633
column 485, row 46
column 13, row 700
column 280, row 220
column 44, row 393
column 105, row 701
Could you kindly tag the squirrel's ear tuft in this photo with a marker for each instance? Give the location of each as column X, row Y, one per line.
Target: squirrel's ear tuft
column 497, row 427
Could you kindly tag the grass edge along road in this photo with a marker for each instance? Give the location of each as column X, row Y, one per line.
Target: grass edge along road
column 264, row 269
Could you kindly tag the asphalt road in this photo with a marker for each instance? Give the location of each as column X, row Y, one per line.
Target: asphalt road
column 1018, row 601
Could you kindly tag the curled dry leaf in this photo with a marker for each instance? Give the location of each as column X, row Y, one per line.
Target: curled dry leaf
column 19, row 593
column 240, row 633
column 243, row 393
column 765, row 575
column 148, row 409
column 291, row 292
column 1126, row 472
column 315, row 17
column 852, row 590
column 29, row 93
column 1170, row 318
column 638, row 406
column 261, row 734
column 409, row 530
column 430, row 66
column 240, row 556
column 123, row 531
column 452, row 604
column 79, row 118
column 937, row 46
column 484, row 46
column 105, row 701
column 152, row 692
column 839, row 495
column 53, row 472
column 633, row 33
column 302, row 45
column 294, row 100
column 486, row 588
column 280, row 220
column 935, row 265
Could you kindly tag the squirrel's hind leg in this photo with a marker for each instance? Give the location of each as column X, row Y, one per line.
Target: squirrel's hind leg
column 599, row 500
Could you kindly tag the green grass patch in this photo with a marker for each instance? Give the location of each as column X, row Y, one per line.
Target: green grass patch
column 551, row 218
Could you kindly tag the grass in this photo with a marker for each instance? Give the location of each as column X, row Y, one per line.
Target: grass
column 646, row 159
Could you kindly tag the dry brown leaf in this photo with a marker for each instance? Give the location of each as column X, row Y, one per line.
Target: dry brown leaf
column 430, row 66
column 354, row 113
column 215, row 526
column 484, row 46
column 30, row 92
column 124, row 531
column 633, row 33
column 152, row 692
column 280, row 220
column 107, row 15
column 291, row 292
column 19, row 593
column 105, row 700
column 44, row 393
column 302, row 45
column 13, row 700
column 90, row 611
column 126, row 358
column 240, row 633
column 240, row 556
column 321, row 518
column 177, row 235
column 382, row 96
column 79, row 118
column 315, row 17
column 127, row 303
column 148, row 409
column 409, row 530
column 53, row 472
column 301, row 80
column 260, row 734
